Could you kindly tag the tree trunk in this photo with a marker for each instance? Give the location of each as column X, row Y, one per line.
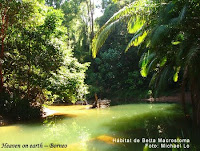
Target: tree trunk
column 94, row 105
column 92, row 19
column 90, row 11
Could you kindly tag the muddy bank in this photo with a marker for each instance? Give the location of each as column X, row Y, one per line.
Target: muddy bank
column 171, row 99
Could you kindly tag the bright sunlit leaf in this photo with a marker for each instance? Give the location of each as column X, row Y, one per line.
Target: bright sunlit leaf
column 140, row 39
column 135, row 25
column 163, row 61
column 176, row 42
column 146, row 148
column 137, row 40
column 144, row 70
column 175, row 78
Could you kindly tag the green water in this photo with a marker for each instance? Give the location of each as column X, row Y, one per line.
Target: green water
column 95, row 129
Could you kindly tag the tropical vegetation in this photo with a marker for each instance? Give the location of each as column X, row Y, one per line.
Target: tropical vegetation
column 36, row 64
column 134, row 55
column 166, row 35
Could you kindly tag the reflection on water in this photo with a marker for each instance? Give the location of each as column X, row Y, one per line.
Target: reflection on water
column 94, row 130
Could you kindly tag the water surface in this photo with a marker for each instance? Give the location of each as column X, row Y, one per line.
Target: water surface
column 94, row 129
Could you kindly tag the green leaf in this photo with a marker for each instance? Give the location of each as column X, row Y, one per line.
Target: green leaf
column 138, row 6
column 175, row 78
column 152, row 65
column 175, row 42
column 159, row 34
column 163, row 61
column 140, row 39
column 101, row 37
column 174, row 149
column 137, row 40
column 134, row 25
column 146, row 148
column 143, row 71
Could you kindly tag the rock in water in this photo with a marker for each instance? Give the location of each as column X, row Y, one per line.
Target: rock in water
column 103, row 103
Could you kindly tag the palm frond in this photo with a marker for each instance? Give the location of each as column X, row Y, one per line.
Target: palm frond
column 183, row 13
column 165, row 13
column 135, row 8
column 152, row 65
column 193, row 55
column 99, row 40
column 158, row 34
column 177, row 20
column 137, row 40
column 144, row 64
column 163, row 61
column 106, row 29
column 162, row 77
column 153, row 79
column 135, row 24
column 142, row 59
column 167, row 24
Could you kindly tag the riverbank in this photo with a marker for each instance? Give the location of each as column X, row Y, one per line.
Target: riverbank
column 71, row 111
column 176, row 98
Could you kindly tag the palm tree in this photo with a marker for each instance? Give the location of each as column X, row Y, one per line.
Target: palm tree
column 167, row 35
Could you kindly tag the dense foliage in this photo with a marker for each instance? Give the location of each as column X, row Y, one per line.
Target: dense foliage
column 166, row 33
column 114, row 74
column 37, row 65
column 46, row 45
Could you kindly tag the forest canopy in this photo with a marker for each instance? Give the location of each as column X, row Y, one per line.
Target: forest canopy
column 36, row 63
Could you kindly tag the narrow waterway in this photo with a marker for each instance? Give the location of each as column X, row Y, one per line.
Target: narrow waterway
column 85, row 129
